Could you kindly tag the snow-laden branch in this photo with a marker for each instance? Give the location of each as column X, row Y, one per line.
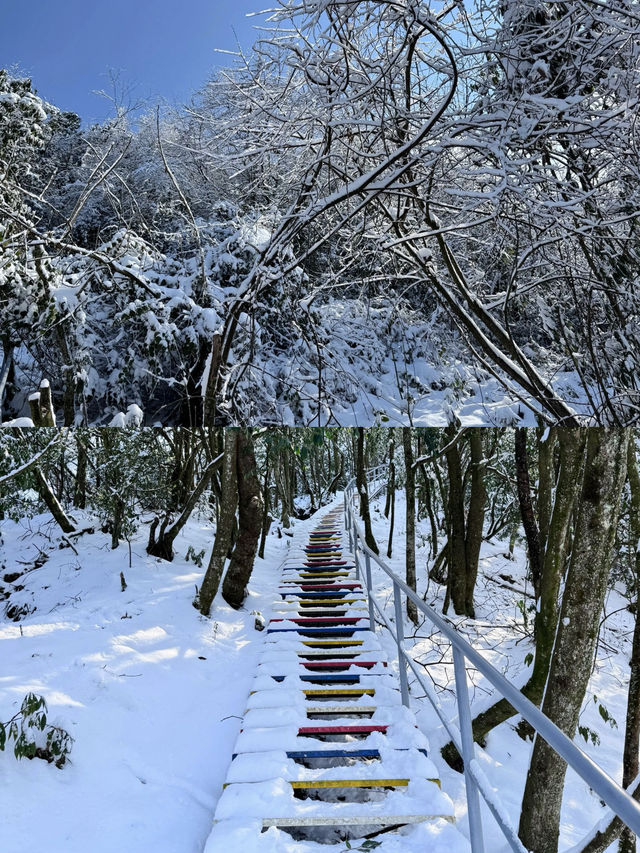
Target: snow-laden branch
column 27, row 466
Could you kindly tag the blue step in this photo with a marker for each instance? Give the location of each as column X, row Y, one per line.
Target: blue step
column 337, row 753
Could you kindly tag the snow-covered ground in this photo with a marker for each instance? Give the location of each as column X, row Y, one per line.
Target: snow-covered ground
column 154, row 694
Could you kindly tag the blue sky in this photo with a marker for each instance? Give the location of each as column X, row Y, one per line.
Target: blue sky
column 163, row 48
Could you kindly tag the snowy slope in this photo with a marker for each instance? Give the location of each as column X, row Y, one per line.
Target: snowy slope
column 152, row 693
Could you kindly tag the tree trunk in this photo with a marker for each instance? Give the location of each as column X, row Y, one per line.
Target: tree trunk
column 410, row 524
column 234, row 587
column 544, row 502
column 392, row 508
column 585, row 589
column 224, row 529
column 630, row 764
column 285, row 491
column 361, row 482
column 266, row 518
column 53, row 505
column 571, row 443
column 162, row 546
column 390, row 490
column 430, row 512
column 80, row 488
column 457, row 551
column 475, row 517
column 571, row 457
column 529, row 523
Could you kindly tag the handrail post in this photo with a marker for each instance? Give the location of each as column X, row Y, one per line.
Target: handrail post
column 356, row 560
column 468, row 752
column 367, row 566
column 404, row 681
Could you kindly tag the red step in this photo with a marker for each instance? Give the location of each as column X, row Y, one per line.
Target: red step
column 312, row 586
column 334, row 663
column 341, row 730
column 306, row 619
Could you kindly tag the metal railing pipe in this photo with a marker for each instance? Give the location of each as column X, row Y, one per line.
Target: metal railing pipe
column 620, row 802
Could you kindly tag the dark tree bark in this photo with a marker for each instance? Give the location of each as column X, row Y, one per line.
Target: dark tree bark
column 531, row 532
column 224, row 529
column 390, row 490
column 234, row 586
column 80, row 487
column 284, row 489
column 338, row 467
column 572, row 445
column 361, row 483
column 410, row 524
column 573, row 651
column 428, row 499
column 266, row 518
column 184, row 460
column 547, row 441
column 475, row 517
column 392, row 506
column 457, row 584
column 630, row 764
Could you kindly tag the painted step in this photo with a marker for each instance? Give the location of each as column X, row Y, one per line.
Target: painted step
column 318, row 587
column 341, row 730
column 334, row 753
column 332, row 601
column 294, row 567
column 338, row 596
column 328, row 677
column 350, row 783
column 344, row 710
column 302, row 580
column 340, row 691
column 335, row 664
column 372, row 820
column 344, row 783
column 344, row 753
column 312, row 631
column 324, row 620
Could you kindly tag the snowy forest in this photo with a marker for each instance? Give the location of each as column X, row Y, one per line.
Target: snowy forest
column 138, row 585
column 386, row 212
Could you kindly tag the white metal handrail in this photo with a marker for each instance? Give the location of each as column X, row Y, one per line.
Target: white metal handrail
column 476, row 783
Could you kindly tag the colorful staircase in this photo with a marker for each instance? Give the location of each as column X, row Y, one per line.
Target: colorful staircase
column 327, row 751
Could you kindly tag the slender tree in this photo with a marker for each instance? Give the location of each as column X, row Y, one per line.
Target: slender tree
column 226, row 520
column 240, row 567
column 410, row 520
column 363, row 493
column 572, row 658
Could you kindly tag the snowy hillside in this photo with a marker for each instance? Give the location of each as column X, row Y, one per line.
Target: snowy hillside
column 153, row 693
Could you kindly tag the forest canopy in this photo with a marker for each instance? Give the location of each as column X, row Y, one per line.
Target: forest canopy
column 381, row 206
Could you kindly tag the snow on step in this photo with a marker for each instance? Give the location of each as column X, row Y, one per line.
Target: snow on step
column 320, row 659
column 273, row 764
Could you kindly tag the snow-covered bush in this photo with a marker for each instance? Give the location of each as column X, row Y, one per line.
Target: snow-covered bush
column 33, row 736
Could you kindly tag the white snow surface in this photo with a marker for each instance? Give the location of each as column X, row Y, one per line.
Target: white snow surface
column 152, row 692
